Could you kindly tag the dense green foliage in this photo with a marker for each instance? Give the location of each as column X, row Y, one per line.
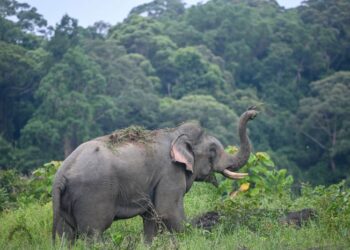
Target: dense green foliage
column 247, row 220
column 264, row 177
column 164, row 64
column 17, row 190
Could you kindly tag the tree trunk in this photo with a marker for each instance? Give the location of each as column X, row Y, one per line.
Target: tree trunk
column 333, row 166
column 169, row 89
column 334, row 141
column 68, row 147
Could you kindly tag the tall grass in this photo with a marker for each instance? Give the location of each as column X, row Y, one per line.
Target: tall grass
column 30, row 228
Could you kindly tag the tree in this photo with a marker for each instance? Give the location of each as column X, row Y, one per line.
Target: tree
column 137, row 107
column 65, row 117
column 131, row 88
column 65, row 37
column 99, row 30
column 19, row 77
column 137, row 34
column 329, row 25
column 323, row 118
column 20, row 23
column 7, row 154
column 196, row 75
column 213, row 115
column 160, row 9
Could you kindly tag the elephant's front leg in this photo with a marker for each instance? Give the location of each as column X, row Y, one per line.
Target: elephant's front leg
column 150, row 225
column 169, row 205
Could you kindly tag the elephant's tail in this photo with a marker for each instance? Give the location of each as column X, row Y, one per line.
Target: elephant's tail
column 59, row 187
column 56, row 203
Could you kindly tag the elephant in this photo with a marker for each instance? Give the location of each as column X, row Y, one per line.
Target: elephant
column 139, row 172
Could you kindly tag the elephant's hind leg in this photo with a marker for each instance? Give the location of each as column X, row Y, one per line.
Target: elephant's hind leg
column 93, row 218
column 65, row 231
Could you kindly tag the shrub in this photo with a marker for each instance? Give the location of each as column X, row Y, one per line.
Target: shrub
column 332, row 204
column 16, row 190
column 40, row 184
column 12, row 185
column 263, row 177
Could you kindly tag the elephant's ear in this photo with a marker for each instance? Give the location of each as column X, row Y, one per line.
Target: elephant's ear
column 181, row 151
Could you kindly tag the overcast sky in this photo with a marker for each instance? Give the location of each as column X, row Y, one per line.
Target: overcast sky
column 111, row 11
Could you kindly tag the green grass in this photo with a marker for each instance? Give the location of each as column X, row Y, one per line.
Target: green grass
column 30, row 228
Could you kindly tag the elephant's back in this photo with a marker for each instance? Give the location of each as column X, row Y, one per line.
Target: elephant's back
column 95, row 161
column 113, row 175
column 89, row 157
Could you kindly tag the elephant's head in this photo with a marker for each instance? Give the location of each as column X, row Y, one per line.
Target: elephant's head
column 203, row 154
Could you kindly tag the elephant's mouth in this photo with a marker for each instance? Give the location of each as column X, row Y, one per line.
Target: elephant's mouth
column 234, row 175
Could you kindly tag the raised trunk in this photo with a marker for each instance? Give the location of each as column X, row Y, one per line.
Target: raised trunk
column 232, row 162
column 242, row 156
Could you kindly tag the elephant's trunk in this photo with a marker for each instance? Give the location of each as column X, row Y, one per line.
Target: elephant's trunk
column 241, row 157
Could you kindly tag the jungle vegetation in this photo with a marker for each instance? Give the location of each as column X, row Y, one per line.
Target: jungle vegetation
column 165, row 63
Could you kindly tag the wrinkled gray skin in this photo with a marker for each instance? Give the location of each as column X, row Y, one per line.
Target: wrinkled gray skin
column 96, row 185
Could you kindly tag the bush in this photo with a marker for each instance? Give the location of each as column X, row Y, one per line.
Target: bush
column 40, row 185
column 12, row 185
column 4, row 199
column 17, row 190
column 264, row 177
column 332, row 204
column 261, row 200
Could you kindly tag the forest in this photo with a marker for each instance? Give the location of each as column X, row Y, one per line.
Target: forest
column 165, row 64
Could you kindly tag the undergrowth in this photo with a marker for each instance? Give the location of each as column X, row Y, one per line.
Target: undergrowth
column 252, row 214
column 246, row 223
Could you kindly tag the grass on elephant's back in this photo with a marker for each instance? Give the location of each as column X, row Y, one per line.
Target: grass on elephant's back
column 135, row 134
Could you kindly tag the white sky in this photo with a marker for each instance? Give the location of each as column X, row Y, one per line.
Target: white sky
column 111, row 11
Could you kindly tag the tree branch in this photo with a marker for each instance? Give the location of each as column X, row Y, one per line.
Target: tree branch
column 314, row 140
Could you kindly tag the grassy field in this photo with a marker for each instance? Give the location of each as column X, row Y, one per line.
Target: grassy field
column 244, row 225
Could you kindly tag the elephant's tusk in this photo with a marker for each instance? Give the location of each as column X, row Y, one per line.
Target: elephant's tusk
column 234, row 175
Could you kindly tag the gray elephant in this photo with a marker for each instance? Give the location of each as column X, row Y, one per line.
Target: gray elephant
column 136, row 172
